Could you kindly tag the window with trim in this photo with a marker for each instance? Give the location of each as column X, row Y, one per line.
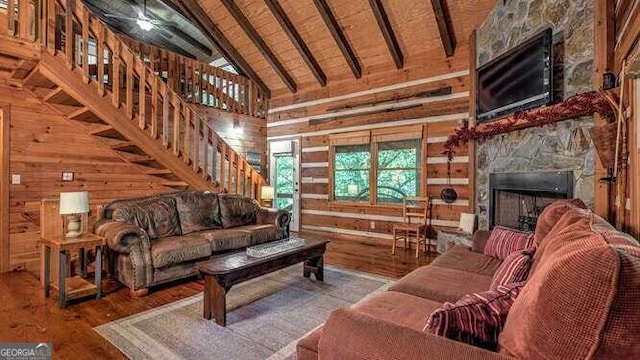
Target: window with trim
column 351, row 166
column 398, row 170
column 376, row 167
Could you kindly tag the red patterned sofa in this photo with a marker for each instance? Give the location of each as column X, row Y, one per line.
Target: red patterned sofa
column 581, row 301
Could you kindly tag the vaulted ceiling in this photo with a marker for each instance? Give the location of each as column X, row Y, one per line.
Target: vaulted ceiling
column 295, row 45
column 413, row 23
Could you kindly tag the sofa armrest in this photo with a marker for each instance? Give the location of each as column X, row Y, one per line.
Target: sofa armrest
column 279, row 218
column 120, row 236
column 479, row 240
column 349, row 334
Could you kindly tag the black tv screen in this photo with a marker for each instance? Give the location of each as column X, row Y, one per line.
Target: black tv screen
column 520, row 79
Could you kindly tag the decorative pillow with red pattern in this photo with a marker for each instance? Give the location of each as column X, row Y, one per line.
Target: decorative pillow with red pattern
column 475, row 319
column 504, row 241
column 514, row 268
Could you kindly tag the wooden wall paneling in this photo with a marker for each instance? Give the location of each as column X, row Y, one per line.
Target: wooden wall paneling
column 5, row 246
column 627, row 30
column 604, row 14
column 43, row 145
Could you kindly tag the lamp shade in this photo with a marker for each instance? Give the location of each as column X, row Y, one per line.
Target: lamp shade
column 74, row 202
column 352, row 189
column 267, row 192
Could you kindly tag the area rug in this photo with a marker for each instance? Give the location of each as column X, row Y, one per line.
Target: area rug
column 265, row 318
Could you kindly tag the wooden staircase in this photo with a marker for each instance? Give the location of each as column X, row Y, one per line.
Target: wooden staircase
column 123, row 103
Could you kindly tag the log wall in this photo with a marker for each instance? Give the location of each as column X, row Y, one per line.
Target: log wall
column 372, row 103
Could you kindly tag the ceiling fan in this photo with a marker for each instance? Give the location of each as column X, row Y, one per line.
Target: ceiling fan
column 144, row 20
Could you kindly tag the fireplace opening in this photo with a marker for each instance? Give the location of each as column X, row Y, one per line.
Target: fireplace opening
column 516, row 199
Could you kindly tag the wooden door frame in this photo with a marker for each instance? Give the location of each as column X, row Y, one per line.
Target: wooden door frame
column 5, row 120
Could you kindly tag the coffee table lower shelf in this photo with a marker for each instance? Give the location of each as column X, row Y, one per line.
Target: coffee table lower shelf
column 221, row 273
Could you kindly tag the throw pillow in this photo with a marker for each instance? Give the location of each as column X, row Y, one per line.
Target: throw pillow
column 504, row 241
column 514, row 268
column 551, row 214
column 475, row 319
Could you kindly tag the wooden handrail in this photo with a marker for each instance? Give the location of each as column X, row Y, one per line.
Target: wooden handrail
column 89, row 48
column 200, row 83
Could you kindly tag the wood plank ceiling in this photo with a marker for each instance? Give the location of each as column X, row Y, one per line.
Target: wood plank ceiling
column 291, row 46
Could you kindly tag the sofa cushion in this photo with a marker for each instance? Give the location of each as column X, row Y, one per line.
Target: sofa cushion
column 226, row 239
column 582, row 300
column 441, row 284
column 178, row 249
column 476, row 319
column 398, row 308
column 550, row 216
column 198, row 211
column 237, row 210
column 504, row 241
column 514, row 268
column 462, row 258
column 262, row 233
column 157, row 216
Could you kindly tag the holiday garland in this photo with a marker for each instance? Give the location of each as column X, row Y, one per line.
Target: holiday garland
column 576, row 106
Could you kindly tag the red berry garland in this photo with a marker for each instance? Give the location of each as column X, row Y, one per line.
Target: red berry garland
column 576, row 106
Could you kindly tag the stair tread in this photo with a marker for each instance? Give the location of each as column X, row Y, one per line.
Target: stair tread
column 59, row 96
column 84, row 114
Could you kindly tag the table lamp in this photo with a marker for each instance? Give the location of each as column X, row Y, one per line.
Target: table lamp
column 267, row 194
column 72, row 204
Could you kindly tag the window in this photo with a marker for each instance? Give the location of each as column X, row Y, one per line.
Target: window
column 398, row 170
column 351, row 173
column 377, row 167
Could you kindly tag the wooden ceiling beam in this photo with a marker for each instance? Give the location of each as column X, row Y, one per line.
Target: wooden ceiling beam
column 198, row 16
column 445, row 27
column 297, row 41
column 387, row 32
column 257, row 40
column 338, row 36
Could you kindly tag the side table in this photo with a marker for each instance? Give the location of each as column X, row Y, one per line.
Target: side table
column 74, row 287
column 448, row 238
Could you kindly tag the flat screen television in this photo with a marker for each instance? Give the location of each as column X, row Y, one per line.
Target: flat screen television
column 519, row 79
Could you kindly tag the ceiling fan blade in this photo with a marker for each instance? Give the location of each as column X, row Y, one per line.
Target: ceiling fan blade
column 120, row 17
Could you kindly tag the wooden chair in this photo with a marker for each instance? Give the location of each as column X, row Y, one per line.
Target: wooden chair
column 415, row 212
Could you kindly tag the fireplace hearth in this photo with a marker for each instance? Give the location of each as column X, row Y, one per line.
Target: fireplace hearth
column 516, row 199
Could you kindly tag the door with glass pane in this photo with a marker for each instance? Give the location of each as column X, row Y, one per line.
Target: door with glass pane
column 284, row 179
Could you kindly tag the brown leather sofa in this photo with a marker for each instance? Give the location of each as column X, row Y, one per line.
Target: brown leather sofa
column 581, row 301
column 157, row 239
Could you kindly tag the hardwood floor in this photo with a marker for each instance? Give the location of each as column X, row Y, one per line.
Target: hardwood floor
column 27, row 317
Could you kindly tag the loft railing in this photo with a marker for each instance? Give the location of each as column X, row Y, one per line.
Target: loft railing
column 94, row 52
column 202, row 84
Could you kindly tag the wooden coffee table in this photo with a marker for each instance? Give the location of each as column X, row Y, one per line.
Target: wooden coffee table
column 224, row 271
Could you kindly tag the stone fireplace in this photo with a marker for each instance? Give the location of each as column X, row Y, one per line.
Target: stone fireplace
column 516, row 199
column 565, row 147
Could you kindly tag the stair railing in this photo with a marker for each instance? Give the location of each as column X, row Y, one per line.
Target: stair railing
column 200, row 83
column 93, row 51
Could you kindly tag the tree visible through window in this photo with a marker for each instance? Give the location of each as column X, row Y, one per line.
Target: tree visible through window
column 284, row 182
column 398, row 170
column 351, row 173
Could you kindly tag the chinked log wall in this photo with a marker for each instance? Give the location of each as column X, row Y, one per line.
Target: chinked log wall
column 312, row 118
